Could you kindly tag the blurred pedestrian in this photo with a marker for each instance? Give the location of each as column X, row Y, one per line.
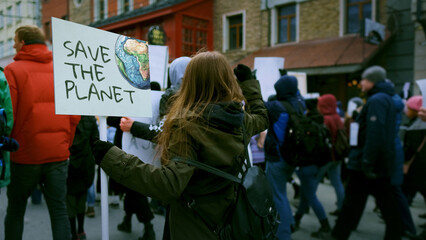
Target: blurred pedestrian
column 204, row 124
column 308, row 172
column 372, row 161
column 44, row 137
column 81, row 172
column 278, row 171
column 327, row 106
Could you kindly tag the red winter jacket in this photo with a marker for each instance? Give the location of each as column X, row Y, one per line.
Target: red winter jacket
column 42, row 135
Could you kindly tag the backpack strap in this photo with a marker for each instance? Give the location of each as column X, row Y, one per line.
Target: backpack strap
column 207, row 168
column 290, row 109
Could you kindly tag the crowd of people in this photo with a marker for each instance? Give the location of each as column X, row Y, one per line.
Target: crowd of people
column 205, row 116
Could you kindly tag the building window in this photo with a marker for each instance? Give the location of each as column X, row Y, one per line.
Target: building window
column 1, row 49
column 100, row 9
column 356, row 11
column 124, row 6
column 1, row 19
column 9, row 16
column 18, row 11
column 194, row 35
column 10, row 45
column 235, row 29
column 286, row 23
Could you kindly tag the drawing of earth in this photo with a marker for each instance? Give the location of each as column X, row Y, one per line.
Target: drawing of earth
column 131, row 56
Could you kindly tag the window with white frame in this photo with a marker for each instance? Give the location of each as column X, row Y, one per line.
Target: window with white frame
column 356, row 12
column 1, row 49
column 18, row 11
column 124, row 6
column 100, row 9
column 286, row 23
column 10, row 45
column 234, row 31
column 1, row 19
column 9, row 14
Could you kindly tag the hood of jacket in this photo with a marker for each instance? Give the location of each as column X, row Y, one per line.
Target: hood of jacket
column 34, row 52
column 383, row 87
column 226, row 116
column 327, row 104
column 286, row 87
column 177, row 70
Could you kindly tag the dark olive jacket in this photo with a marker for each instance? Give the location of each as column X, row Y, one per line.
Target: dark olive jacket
column 216, row 140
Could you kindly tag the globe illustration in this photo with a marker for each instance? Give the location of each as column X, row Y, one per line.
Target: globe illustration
column 131, row 56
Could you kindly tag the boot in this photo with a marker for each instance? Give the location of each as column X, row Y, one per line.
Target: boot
column 126, row 225
column 297, row 217
column 324, row 229
column 148, row 232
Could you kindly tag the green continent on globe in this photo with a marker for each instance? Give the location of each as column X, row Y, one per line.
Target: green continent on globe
column 121, row 66
column 139, row 50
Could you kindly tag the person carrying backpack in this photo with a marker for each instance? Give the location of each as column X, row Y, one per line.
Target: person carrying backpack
column 327, row 105
column 307, row 173
column 278, row 171
column 204, row 124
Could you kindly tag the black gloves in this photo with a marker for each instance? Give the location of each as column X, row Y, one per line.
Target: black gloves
column 9, row 144
column 99, row 149
column 243, row 73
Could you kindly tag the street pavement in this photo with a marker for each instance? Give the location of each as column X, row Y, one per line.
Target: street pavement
column 37, row 223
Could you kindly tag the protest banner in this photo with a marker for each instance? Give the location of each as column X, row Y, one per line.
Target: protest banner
column 158, row 61
column 267, row 72
column 99, row 73
column 302, row 84
column 143, row 149
column 422, row 86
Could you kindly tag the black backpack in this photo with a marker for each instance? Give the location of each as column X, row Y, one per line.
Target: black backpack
column 341, row 146
column 253, row 216
column 305, row 141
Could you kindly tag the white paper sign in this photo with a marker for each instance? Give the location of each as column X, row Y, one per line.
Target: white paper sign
column 158, row 60
column 354, row 128
column 268, row 73
column 99, row 73
column 302, row 84
column 422, row 86
column 143, row 149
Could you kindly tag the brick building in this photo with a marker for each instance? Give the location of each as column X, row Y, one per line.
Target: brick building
column 319, row 37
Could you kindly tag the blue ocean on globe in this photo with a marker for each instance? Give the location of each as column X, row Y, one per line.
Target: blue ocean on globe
column 129, row 65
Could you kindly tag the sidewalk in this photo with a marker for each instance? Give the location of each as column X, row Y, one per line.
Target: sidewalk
column 37, row 223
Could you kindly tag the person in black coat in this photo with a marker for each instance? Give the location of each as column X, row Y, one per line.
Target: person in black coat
column 81, row 173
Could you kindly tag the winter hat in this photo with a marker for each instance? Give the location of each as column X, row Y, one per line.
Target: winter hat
column 415, row 103
column 374, row 74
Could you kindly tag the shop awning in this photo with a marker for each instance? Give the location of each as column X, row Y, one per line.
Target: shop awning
column 334, row 55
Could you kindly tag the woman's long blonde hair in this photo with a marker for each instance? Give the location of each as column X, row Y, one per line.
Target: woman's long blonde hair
column 208, row 79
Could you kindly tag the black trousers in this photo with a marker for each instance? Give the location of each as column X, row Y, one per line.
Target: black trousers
column 137, row 203
column 357, row 190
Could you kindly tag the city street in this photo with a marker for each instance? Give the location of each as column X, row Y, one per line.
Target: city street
column 37, row 223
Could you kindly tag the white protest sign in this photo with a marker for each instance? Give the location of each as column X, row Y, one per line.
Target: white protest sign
column 302, row 84
column 99, row 73
column 143, row 149
column 158, row 60
column 268, row 73
column 422, row 86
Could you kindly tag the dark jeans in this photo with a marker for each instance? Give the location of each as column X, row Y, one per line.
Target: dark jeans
column 137, row 203
column 357, row 191
column 24, row 178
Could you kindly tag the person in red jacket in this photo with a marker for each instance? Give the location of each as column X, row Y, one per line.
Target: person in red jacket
column 43, row 136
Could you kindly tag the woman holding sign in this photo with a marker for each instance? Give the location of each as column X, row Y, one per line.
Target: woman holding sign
column 204, row 124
